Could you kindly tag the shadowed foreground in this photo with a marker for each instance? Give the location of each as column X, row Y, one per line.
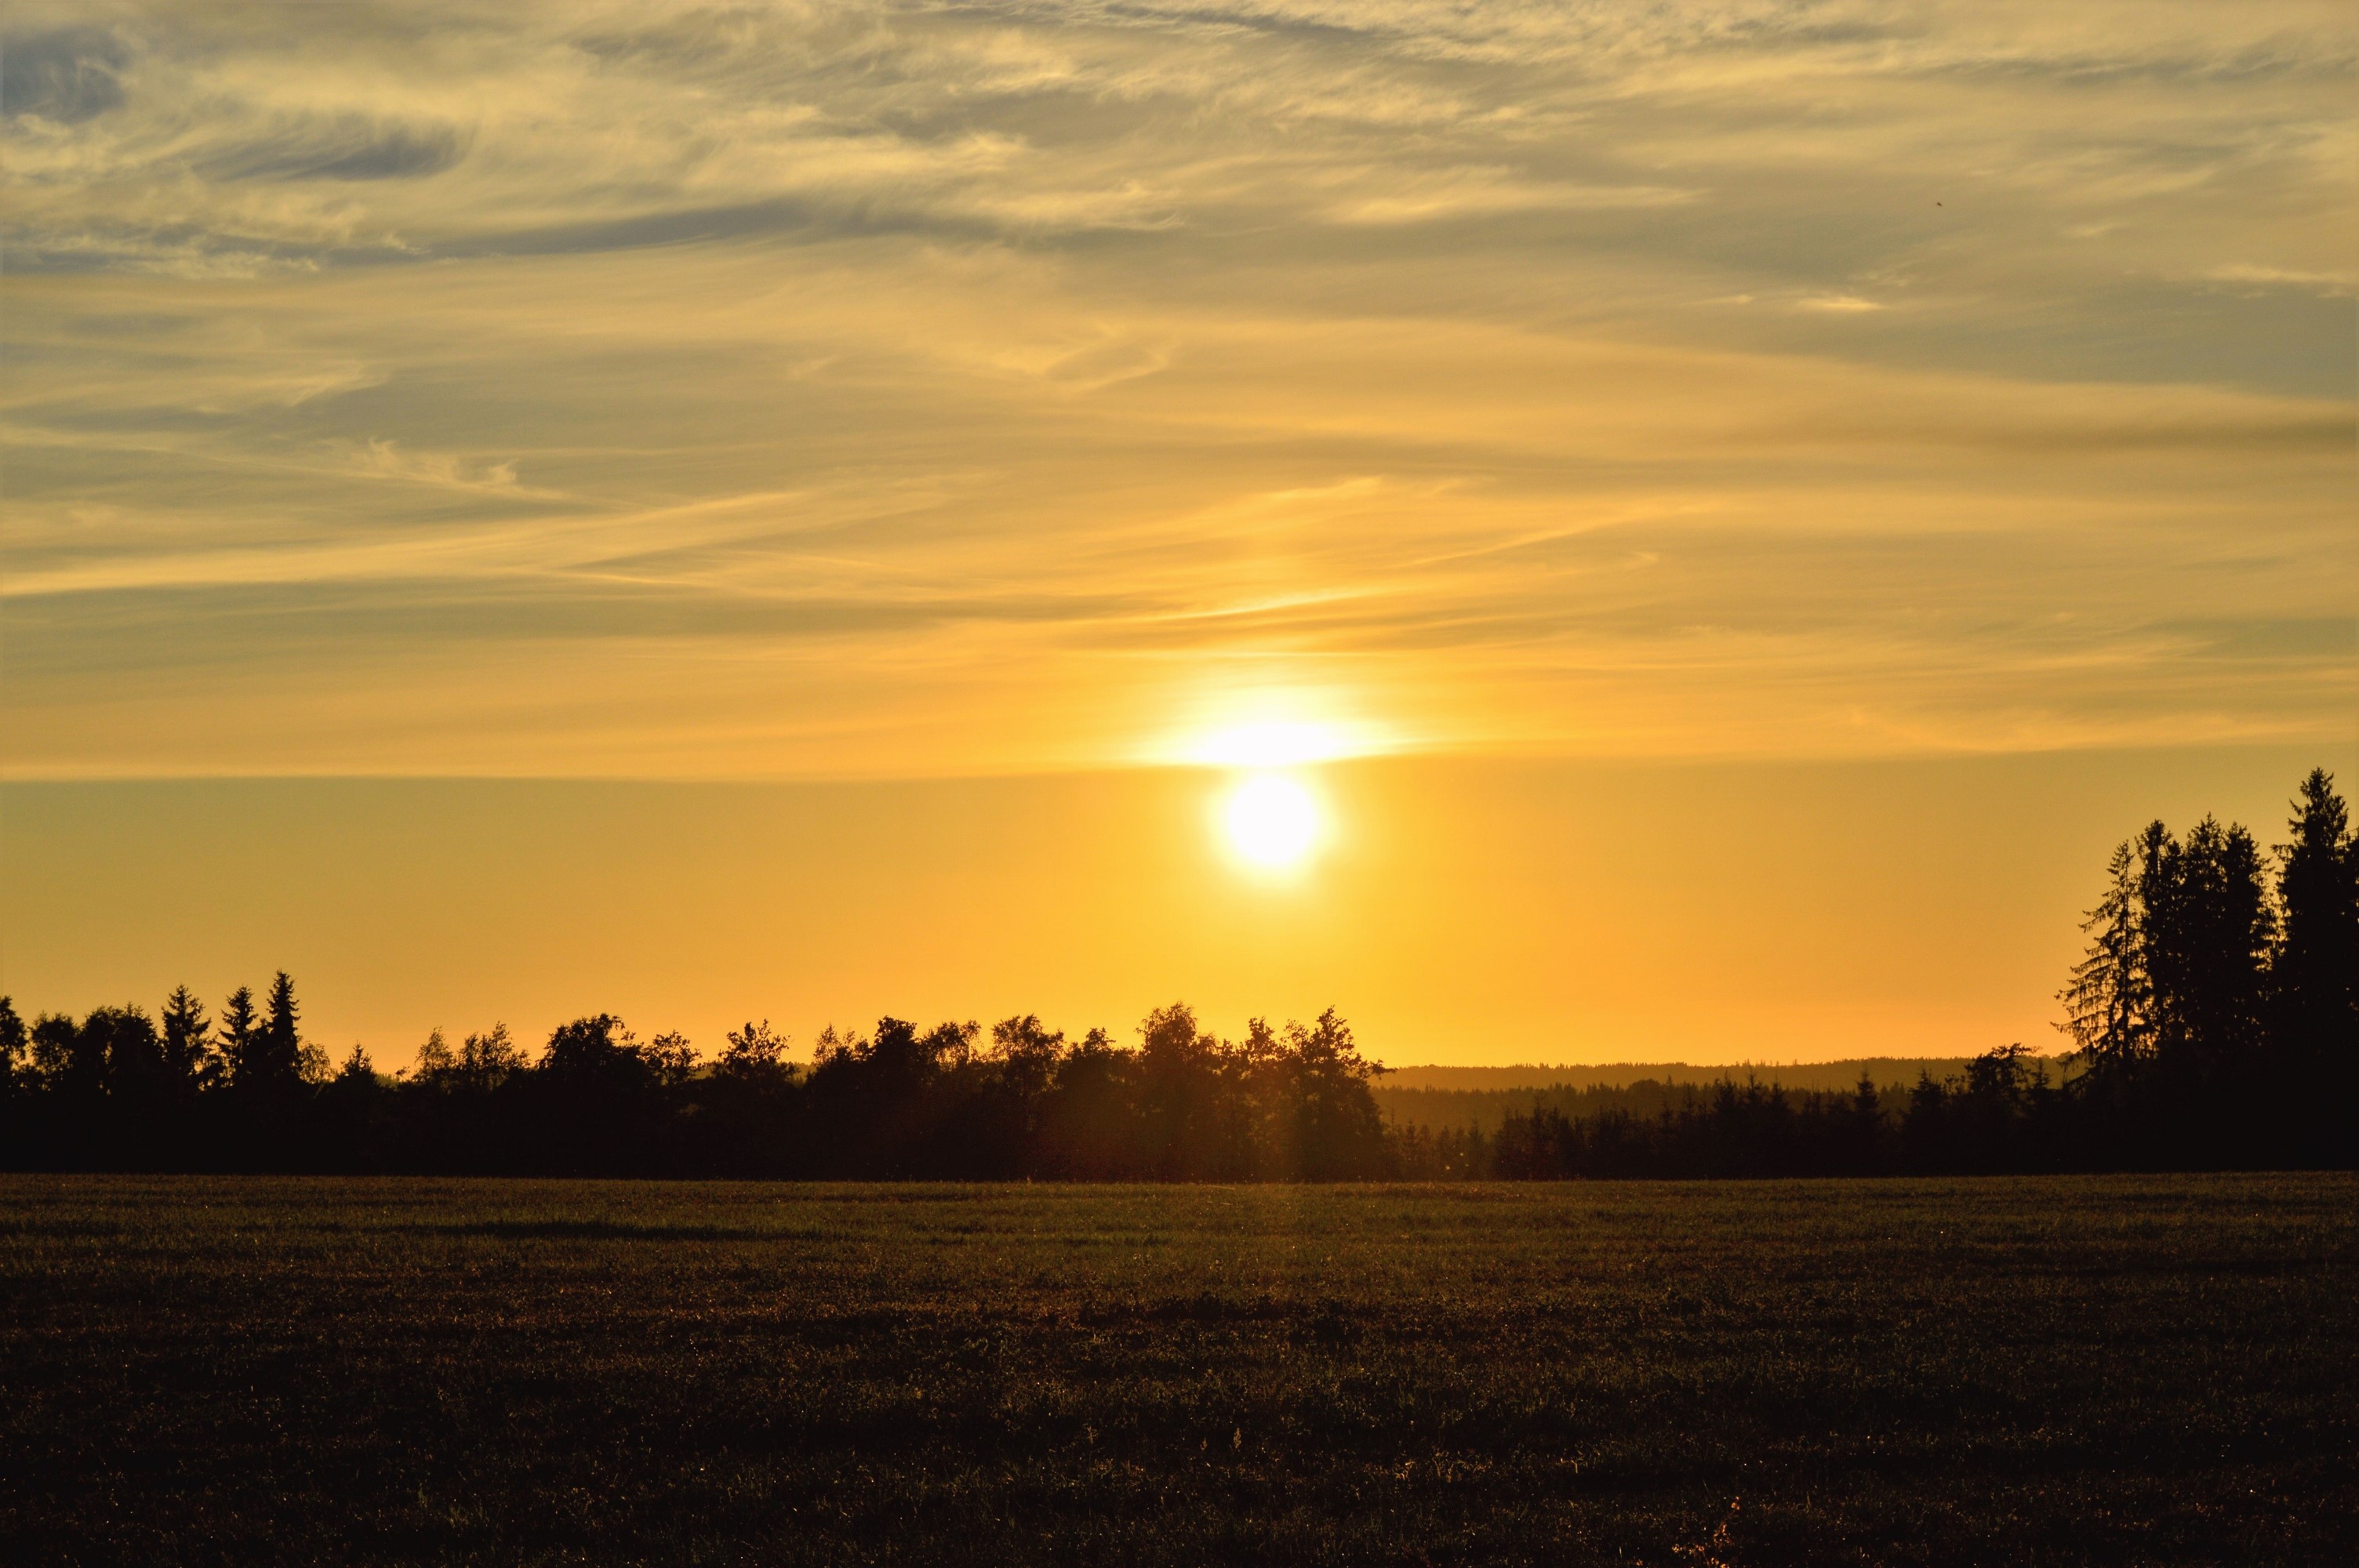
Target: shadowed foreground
column 2050, row 1369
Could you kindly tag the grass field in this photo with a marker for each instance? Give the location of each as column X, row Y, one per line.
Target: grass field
column 2101, row 1370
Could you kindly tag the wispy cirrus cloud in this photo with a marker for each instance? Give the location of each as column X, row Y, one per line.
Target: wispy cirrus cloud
column 902, row 389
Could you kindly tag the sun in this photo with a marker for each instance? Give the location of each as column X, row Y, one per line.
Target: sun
column 1271, row 821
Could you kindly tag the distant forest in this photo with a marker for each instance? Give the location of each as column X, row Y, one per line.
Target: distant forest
column 1644, row 1091
column 2213, row 1024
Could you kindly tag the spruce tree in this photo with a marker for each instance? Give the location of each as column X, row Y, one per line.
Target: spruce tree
column 2210, row 927
column 2314, row 973
column 240, row 1025
column 188, row 1051
column 277, row 1053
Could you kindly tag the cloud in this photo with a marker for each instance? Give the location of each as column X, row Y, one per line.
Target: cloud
column 2333, row 284
column 1482, row 193
column 386, row 460
column 68, row 75
column 345, row 147
column 922, row 388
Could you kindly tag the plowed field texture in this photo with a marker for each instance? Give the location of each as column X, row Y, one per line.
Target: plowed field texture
column 259, row 1370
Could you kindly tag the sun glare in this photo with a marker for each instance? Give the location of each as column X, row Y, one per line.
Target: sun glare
column 1271, row 821
column 1275, row 743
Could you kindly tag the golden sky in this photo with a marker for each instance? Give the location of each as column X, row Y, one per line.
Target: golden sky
column 1053, row 393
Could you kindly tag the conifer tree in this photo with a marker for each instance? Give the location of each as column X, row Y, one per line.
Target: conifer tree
column 188, row 1051
column 262, row 1052
column 2108, row 1003
column 279, row 1055
column 2314, row 974
column 2211, row 926
column 239, row 1026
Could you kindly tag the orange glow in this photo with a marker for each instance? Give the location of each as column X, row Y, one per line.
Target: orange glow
column 1441, row 510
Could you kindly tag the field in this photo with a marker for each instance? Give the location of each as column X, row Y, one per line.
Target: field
column 2083, row 1371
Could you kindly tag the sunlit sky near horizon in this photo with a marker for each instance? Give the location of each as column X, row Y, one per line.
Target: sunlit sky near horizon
column 808, row 395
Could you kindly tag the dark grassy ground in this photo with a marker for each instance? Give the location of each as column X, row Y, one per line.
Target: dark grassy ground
column 2103, row 1370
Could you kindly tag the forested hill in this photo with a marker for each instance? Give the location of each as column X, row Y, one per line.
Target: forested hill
column 1442, row 1097
column 1485, row 1097
column 1889, row 1072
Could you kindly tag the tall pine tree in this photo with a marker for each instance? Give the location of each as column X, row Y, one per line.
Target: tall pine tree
column 2314, row 974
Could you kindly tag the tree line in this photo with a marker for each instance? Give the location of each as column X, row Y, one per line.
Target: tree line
column 2214, row 1021
column 120, row 1090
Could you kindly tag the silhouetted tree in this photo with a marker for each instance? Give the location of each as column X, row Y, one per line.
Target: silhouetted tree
column 187, row 1040
column 1027, row 1053
column 598, row 1050
column 755, row 1058
column 1864, row 1135
column 592, row 1102
column 1326, row 1126
column 15, row 1041
column 1008, row 1107
column 2109, row 1002
column 126, row 1038
column 746, row 1108
column 70, row 1061
column 2210, row 929
column 1928, row 1129
column 275, row 1058
column 1194, row 1123
column 1452, row 1154
column 456, row 1124
column 2314, row 973
column 1545, row 1145
column 435, row 1056
column 883, row 1106
column 1091, row 1127
column 671, row 1057
column 240, row 1026
column 2215, row 1018
column 486, row 1061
